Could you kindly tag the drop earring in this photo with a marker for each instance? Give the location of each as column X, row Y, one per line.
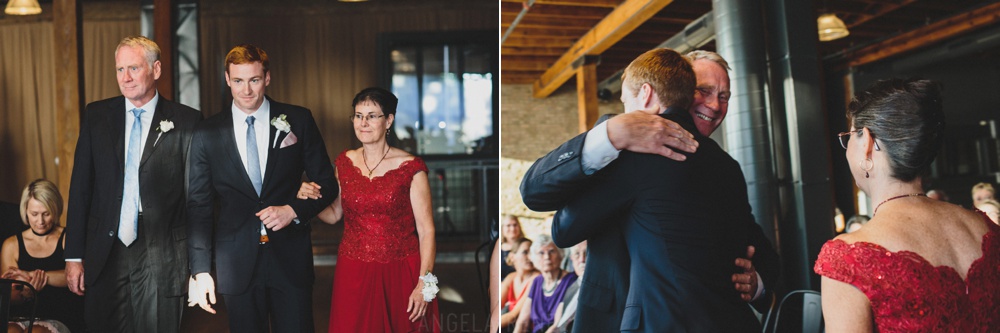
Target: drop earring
column 867, row 165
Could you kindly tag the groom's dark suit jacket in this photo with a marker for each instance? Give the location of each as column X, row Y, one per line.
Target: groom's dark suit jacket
column 217, row 175
column 95, row 194
column 600, row 211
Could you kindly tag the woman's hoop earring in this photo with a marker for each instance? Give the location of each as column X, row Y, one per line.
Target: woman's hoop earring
column 867, row 165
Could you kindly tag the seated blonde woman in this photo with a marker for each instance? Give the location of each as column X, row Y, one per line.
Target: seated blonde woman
column 36, row 256
column 515, row 286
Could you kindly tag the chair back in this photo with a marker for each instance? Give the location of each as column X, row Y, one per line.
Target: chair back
column 798, row 311
column 18, row 301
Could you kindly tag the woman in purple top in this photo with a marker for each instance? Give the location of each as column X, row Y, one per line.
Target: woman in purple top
column 547, row 290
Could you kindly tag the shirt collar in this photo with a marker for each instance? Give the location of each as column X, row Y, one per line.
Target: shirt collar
column 263, row 112
column 148, row 107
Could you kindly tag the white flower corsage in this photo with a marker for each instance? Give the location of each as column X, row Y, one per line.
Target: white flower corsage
column 281, row 124
column 430, row 286
column 165, row 126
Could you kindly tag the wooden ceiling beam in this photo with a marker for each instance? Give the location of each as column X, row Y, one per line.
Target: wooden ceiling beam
column 618, row 24
column 933, row 33
column 533, row 63
column 538, row 42
column 549, row 16
column 581, row 3
column 882, row 9
column 541, row 51
column 547, row 32
column 550, row 10
column 530, row 20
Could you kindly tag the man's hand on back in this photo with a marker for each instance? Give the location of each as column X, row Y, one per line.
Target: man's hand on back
column 641, row 132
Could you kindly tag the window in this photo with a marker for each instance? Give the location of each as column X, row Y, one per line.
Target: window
column 446, row 87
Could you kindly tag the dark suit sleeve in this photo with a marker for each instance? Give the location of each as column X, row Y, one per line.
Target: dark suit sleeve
column 767, row 263
column 80, row 192
column 199, row 204
column 765, row 259
column 318, row 169
column 553, row 179
column 587, row 213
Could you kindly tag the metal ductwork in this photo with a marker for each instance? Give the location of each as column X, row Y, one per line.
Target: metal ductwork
column 696, row 34
column 739, row 34
column 802, row 140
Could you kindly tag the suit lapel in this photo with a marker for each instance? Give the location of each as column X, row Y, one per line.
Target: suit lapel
column 228, row 145
column 272, row 147
column 115, row 124
column 154, row 137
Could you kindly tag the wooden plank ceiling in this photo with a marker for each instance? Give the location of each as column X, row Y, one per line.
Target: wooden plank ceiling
column 550, row 29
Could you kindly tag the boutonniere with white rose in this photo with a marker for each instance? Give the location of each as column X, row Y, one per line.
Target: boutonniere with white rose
column 281, row 124
column 165, row 126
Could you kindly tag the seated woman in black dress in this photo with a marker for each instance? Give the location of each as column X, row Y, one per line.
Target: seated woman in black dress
column 36, row 256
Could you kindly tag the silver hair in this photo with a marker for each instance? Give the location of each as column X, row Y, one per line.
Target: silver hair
column 541, row 241
column 708, row 55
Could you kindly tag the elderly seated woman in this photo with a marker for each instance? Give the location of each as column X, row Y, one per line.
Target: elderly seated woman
column 538, row 312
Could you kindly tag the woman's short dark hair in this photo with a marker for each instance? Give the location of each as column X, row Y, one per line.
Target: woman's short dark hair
column 907, row 118
column 381, row 97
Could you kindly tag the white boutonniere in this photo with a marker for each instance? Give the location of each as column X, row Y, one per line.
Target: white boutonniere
column 281, row 124
column 165, row 126
column 430, row 289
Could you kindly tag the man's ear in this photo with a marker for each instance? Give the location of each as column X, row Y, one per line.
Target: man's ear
column 646, row 95
column 156, row 70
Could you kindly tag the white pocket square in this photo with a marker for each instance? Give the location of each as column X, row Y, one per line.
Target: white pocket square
column 289, row 140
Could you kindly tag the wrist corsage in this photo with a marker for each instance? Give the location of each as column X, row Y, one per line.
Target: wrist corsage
column 430, row 286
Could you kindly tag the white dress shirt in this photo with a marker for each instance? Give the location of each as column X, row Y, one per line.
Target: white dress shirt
column 261, row 125
column 147, row 123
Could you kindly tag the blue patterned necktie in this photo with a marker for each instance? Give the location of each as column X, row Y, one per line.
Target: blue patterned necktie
column 128, row 223
column 253, row 156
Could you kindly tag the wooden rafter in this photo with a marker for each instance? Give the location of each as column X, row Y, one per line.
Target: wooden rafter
column 618, row 24
column 877, row 11
column 586, row 3
column 927, row 35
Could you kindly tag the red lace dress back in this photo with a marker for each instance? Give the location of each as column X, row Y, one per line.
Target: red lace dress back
column 378, row 263
column 908, row 294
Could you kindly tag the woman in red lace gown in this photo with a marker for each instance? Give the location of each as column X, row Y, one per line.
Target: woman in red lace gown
column 919, row 265
column 388, row 242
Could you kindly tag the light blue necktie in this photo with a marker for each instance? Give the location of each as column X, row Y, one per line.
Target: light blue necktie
column 128, row 223
column 253, row 157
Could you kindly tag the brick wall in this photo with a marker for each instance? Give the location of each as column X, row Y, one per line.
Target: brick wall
column 530, row 128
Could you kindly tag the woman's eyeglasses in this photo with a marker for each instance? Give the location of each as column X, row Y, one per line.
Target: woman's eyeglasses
column 370, row 118
column 843, row 137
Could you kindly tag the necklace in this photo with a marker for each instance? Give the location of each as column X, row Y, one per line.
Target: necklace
column 548, row 290
column 44, row 234
column 894, row 198
column 371, row 170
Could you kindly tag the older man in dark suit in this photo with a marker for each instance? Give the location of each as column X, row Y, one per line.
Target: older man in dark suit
column 126, row 232
column 250, row 158
column 560, row 176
